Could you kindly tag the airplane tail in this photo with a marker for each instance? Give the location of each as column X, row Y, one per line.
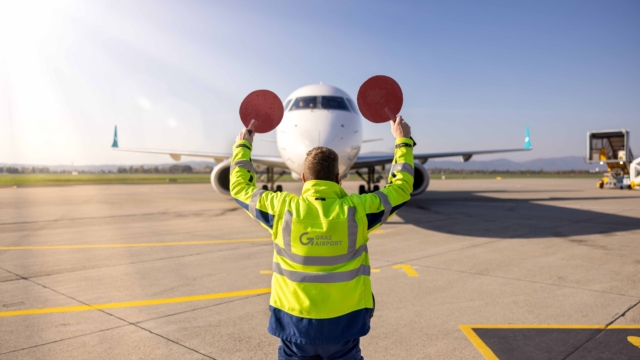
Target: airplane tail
column 115, row 138
column 527, row 139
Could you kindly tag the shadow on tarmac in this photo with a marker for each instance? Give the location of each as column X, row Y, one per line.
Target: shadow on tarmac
column 466, row 213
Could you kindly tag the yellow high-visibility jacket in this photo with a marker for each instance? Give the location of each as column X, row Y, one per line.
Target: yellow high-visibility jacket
column 320, row 289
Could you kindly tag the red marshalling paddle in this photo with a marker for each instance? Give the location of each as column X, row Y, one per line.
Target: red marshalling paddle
column 261, row 111
column 380, row 99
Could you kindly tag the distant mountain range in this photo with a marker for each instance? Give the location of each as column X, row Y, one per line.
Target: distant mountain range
column 110, row 167
column 547, row 164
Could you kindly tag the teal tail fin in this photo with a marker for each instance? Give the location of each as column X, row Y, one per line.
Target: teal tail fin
column 527, row 139
column 115, row 138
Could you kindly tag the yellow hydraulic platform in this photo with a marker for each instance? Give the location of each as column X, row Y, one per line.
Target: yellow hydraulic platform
column 611, row 147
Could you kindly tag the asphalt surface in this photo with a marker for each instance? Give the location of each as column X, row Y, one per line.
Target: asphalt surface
column 146, row 272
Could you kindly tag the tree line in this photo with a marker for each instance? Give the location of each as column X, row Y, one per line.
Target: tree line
column 24, row 170
column 540, row 171
column 174, row 169
column 187, row 169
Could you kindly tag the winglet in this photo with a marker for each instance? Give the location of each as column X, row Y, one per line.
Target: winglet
column 115, row 138
column 527, row 139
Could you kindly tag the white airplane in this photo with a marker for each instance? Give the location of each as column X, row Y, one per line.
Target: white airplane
column 320, row 115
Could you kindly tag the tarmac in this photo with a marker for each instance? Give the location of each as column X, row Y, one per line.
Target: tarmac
column 471, row 269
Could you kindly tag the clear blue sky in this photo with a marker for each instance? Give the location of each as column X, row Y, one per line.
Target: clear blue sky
column 171, row 74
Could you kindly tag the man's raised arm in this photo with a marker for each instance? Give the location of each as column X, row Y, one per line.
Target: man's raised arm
column 381, row 204
column 261, row 205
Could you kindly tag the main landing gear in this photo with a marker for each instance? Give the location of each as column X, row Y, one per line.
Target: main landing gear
column 371, row 178
column 271, row 180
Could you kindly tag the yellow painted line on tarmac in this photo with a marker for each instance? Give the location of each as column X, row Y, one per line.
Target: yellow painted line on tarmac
column 538, row 326
column 104, row 246
column 489, row 355
column 378, row 232
column 408, row 269
column 375, row 270
column 478, row 343
column 173, row 243
column 127, row 304
column 551, row 326
column 623, row 327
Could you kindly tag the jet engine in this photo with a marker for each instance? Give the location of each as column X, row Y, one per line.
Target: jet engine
column 220, row 177
column 420, row 179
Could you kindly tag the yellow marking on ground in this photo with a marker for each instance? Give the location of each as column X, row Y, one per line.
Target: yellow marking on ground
column 375, row 270
column 538, row 326
column 408, row 269
column 100, row 246
column 624, row 327
column 551, row 326
column 478, row 343
column 489, row 355
column 378, row 232
column 135, row 303
column 266, row 272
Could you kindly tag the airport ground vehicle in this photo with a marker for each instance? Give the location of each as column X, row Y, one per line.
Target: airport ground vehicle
column 634, row 174
column 611, row 147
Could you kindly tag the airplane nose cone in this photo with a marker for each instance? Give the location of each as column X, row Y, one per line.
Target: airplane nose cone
column 322, row 130
column 337, row 130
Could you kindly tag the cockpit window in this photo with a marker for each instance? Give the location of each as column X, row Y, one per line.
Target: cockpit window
column 326, row 103
column 354, row 108
column 306, row 102
column 333, row 103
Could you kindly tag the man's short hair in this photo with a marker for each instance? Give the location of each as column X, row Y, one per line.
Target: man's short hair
column 321, row 163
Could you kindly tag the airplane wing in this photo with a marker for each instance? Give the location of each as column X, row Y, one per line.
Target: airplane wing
column 374, row 160
column 176, row 155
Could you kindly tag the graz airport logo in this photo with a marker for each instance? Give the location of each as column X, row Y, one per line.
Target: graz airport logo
column 319, row 240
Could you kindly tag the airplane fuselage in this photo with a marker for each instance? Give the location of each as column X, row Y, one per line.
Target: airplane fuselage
column 319, row 115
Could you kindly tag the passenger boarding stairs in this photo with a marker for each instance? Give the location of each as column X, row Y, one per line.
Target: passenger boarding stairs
column 612, row 147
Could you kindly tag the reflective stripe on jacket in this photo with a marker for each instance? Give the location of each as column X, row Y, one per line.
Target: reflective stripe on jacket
column 320, row 289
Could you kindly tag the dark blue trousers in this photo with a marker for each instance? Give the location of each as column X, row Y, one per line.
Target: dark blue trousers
column 346, row 350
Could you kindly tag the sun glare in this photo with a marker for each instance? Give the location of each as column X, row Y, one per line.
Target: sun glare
column 33, row 37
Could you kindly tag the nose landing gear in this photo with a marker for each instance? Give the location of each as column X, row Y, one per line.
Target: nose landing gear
column 271, row 179
column 372, row 179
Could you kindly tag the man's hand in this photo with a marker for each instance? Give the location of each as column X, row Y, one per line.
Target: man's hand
column 247, row 133
column 400, row 129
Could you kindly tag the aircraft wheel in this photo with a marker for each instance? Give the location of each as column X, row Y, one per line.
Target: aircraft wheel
column 362, row 190
column 278, row 188
column 376, row 187
column 265, row 187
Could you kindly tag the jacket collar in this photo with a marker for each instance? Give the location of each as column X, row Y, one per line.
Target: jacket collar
column 325, row 189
